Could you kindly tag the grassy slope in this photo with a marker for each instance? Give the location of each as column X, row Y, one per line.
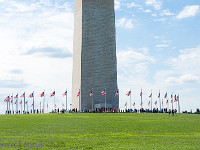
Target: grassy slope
column 103, row 131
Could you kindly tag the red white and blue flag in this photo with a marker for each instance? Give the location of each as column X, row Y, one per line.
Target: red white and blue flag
column 52, row 94
column 155, row 103
column 171, row 96
column 141, row 93
column 129, row 93
column 22, row 95
column 159, row 95
column 175, row 98
column 125, row 104
column 42, row 94
column 6, row 99
column 103, row 92
column 64, row 94
column 117, row 93
column 141, row 104
column 133, row 104
column 78, row 94
column 167, row 102
column 26, row 102
column 31, row 95
column 150, row 95
column 91, row 93
column 20, row 102
column 149, row 103
column 166, row 95
column 16, row 96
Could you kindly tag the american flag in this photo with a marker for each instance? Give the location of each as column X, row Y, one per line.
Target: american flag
column 133, row 104
column 22, row 95
column 155, row 103
column 63, row 105
column 15, row 102
column 11, row 101
column 55, row 105
column 26, row 102
column 175, row 98
column 52, row 94
column 141, row 93
column 78, row 94
column 125, row 104
column 6, row 99
column 167, row 102
column 16, row 96
column 42, row 94
column 64, row 94
column 166, row 95
column 20, row 102
column 159, row 95
column 32, row 105
column 117, row 93
column 171, row 96
column 149, row 103
column 31, row 95
column 91, row 93
column 129, row 93
column 103, row 92
column 150, row 95
column 171, row 101
column 141, row 104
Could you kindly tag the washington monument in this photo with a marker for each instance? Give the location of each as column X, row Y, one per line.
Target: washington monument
column 94, row 55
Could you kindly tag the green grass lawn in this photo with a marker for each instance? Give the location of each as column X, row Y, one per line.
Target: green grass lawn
column 102, row 131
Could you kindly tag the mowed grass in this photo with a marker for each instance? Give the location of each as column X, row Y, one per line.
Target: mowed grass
column 102, row 131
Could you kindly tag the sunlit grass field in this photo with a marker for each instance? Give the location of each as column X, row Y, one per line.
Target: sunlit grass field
column 100, row 131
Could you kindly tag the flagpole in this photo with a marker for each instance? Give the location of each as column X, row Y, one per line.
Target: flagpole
column 66, row 100
column 27, row 107
column 105, row 100
column 47, row 106
column 44, row 102
column 33, row 103
column 151, row 100
column 118, row 100
column 159, row 100
column 79, row 100
column 9, row 103
column 172, row 100
column 130, row 100
column 21, row 106
column 54, row 100
column 141, row 98
column 179, row 104
column 92, row 101
column 17, row 104
column 12, row 104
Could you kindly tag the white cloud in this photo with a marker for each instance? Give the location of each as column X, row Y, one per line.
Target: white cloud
column 157, row 4
column 126, row 23
column 189, row 11
column 162, row 45
column 166, row 13
column 132, row 5
column 148, row 11
column 187, row 78
column 117, row 5
column 160, row 20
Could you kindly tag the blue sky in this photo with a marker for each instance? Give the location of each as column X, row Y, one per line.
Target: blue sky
column 158, row 48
